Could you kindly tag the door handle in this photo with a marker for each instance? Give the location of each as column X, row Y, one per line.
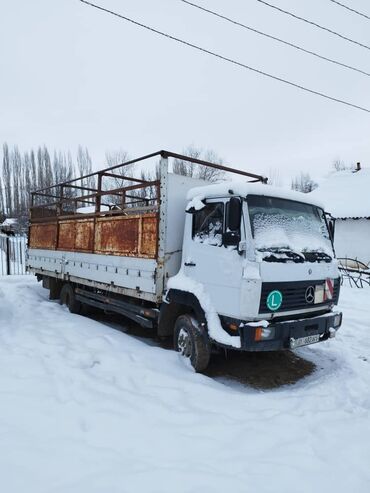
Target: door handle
column 190, row 264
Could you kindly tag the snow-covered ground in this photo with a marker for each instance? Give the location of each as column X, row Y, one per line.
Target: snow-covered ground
column 86, row 408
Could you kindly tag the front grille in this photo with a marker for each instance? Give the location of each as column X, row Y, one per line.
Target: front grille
column 294, row 295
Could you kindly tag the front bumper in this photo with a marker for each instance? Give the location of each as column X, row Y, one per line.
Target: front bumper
column 286, row 332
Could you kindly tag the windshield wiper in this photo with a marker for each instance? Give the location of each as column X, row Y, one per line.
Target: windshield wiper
column 315, row 256
column 276, row 254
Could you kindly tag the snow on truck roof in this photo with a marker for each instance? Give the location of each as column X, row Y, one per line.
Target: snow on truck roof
column 346, row 193
column 243, row 189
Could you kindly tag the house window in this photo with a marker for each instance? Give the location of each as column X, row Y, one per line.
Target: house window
column 208, row 224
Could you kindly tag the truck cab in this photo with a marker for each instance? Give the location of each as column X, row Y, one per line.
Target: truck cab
column 263, row 260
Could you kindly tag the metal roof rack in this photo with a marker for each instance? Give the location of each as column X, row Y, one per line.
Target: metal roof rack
column 66, row 199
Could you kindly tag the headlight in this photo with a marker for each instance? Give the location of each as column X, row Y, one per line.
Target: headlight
column 337, row 320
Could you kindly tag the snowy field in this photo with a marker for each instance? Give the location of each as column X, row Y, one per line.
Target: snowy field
column 85, row 408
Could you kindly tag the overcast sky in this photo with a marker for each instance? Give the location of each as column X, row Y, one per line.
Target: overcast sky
column 73, row 75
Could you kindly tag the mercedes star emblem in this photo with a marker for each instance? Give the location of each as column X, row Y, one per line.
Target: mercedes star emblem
column 310, row 294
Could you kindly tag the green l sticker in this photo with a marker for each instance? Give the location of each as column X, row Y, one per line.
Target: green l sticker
column 274, row 300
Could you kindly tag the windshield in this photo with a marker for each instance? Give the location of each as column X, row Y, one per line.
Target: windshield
column 288, row 230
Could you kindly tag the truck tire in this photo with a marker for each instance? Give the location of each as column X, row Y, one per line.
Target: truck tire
column 191, row 342
column 68, row 298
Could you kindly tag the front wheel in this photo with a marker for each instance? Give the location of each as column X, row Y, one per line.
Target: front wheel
column 192, row 342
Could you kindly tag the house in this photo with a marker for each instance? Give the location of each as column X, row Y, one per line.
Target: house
column 346, row 196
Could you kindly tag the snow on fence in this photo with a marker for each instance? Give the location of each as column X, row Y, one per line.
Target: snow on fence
column 12, row 254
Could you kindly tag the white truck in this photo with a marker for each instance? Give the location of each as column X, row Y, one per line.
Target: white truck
column 233, row 264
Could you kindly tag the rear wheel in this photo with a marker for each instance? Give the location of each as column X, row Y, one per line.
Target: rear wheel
column 68, row 298
column 192, row 342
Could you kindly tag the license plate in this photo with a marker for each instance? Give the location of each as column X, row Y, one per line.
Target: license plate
column 303, row 341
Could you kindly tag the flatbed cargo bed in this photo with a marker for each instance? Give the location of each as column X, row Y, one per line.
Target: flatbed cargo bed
column 129, row 241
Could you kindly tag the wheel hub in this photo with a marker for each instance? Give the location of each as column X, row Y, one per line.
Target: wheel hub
column 184, row 343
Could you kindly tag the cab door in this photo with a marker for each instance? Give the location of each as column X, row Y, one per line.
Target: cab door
column 209, row 261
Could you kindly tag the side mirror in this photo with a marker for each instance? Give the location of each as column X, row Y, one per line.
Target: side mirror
column 331, row 225
column 330, row 221
column 233, row 217
column 234, row 214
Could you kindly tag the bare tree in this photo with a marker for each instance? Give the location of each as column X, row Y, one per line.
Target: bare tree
column 274, row 177
column 118, row 156
column 33, row 171
column 113, row 158
column 2, row 201
column 7, row 179
column 303, row 183
column 339, row 165
column 84, row 167
column 184, row 168
column 201, row 172
column 22, row 173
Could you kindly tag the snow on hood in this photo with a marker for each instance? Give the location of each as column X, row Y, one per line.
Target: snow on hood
column 345, row 193
column 197, row 194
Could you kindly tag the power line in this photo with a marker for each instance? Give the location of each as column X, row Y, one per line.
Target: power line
column 275, row 38
column 314, row 24
column 226, row 59
column 351, row 9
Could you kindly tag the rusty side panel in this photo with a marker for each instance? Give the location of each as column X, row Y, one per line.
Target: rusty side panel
column 66, row 236
column 76, row 235
column 133, row 236
column 149, row 236
column 84, row 239
column 117, row 236
column 43, row 236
